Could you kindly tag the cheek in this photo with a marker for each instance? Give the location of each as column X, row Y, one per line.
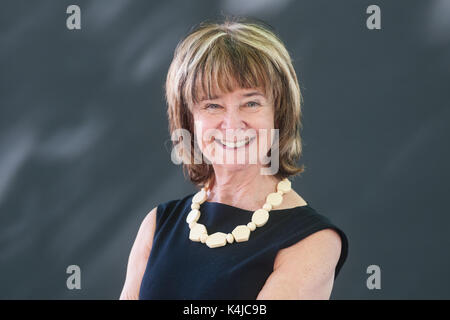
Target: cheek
column 265, row 129
column 266, row 124
column 266, row 119
column 204, row 128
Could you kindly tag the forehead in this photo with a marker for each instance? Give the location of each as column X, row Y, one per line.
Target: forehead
column 243, row 93
column 221, row 85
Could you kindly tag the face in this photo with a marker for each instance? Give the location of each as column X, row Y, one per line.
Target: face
column 234, row 130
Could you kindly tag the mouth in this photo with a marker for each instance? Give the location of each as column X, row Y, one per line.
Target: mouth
column 235, row 145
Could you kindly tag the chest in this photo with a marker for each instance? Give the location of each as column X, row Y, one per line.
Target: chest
column 182, row 269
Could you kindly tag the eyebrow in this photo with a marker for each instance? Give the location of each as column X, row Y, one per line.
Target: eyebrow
column 254, row 93
column 250, row 94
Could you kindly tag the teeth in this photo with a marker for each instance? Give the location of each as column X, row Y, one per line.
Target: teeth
column 237, row 144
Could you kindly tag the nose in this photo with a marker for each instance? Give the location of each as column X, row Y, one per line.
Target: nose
column 233, row 120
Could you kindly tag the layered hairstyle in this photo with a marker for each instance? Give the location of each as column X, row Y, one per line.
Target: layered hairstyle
column 228, row 55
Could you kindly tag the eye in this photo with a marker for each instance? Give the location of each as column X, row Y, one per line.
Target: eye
column 252, row 104
column 212, row 106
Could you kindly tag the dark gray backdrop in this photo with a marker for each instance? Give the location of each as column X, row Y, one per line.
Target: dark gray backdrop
column 84, row 149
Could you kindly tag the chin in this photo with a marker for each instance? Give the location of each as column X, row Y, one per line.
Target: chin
column 233, row 167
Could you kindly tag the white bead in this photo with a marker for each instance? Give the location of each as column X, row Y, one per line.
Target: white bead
column 274, row 199
column 193, row 216
column 284, row 186
column 199, row 197
column 260, row 217
column 195, row 206
column 218, row 239
column 241, row 233
column 196, row 232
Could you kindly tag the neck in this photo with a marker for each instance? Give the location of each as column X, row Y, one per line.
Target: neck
column 246, row 189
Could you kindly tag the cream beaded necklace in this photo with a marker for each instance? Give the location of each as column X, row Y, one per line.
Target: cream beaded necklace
column 240, row 233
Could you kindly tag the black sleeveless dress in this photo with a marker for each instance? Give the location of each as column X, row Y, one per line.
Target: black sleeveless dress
column 179, row 268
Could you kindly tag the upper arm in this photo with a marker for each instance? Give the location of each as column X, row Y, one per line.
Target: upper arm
column 139, row 254
column 306, row 269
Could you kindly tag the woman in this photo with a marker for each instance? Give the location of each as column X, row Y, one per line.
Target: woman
column 232, row 88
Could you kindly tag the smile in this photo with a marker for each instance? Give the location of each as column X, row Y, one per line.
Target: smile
column 235, row 145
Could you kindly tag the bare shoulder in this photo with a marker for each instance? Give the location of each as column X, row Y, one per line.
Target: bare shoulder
column 291, row 200
column 144, row 237
column 325, row 244
column 148, row 226
column 137, row 260
column 306, row 269
column 322, row 247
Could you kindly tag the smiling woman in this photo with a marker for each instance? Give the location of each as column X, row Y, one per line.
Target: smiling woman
column 246, row 233
column 232, row 129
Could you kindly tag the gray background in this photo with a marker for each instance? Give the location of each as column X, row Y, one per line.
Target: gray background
column 85, row 150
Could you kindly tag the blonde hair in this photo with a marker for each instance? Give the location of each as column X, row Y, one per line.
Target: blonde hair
column 237, row 53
